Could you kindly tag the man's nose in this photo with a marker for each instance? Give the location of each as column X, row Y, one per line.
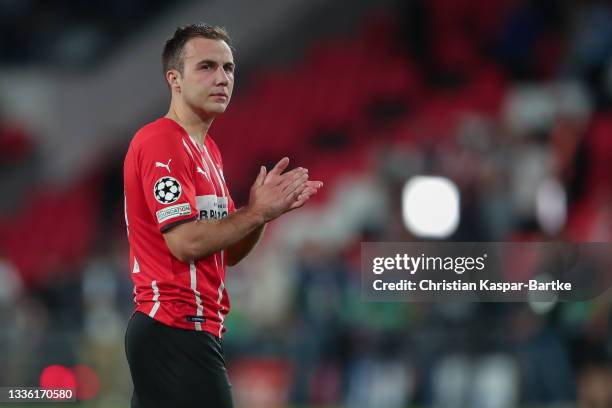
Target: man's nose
column 221, row 77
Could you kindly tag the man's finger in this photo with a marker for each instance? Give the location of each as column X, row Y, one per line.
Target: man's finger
column 310, row 190
column 303, row 198
column 261, row 176
column 307, row 193
column 297, row 171
column 309, row 185
column 277, row 179
column 291, row 197
column 314, row 184
column 291, row 185
column 280, row 166
column 285, row 180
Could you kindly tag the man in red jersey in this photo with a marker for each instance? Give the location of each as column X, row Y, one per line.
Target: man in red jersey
column 183, row 228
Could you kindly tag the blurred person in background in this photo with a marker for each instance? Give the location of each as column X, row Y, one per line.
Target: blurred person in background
column 183, row 228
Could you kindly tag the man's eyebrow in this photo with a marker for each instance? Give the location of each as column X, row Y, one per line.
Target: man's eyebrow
column 207, row 61
column 211, row 62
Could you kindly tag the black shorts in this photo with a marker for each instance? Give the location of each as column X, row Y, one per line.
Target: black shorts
column 173, row 367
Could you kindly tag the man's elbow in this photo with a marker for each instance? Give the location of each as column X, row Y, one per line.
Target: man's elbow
column 182, row 245
column 231, row 261
column 183, row 254
column 234, row 257
column 191, row 250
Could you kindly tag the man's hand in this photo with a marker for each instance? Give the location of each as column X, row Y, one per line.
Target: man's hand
column 275, row 193
column 310, row 189
column 303, row 193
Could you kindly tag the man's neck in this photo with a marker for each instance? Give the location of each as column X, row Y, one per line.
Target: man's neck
column 193, row 124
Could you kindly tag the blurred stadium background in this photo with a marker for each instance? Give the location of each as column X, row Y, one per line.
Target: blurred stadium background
column 508, row 100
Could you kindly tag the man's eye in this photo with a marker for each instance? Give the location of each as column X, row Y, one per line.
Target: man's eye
column 205, row 67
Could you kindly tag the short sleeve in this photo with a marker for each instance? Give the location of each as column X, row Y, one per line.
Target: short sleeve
column 166, row 171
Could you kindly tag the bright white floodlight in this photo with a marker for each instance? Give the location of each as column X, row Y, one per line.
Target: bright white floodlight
column 551, row 206
column 430, row 206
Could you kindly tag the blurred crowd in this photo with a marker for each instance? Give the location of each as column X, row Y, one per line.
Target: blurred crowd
column 512, row 104
column 67, row 34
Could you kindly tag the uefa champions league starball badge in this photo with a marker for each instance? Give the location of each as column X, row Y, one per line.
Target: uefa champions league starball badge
column 167, row 190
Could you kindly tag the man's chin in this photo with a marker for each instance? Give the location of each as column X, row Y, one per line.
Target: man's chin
column 216, row 109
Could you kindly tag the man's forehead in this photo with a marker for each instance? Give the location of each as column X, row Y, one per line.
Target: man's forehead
column 204, row 48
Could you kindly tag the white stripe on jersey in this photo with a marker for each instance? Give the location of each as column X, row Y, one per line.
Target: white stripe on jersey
column 220, row 290
column 216, row 172
column 188, row 149
column 194, row 287
column 204, row 163
column 202, row 149
column 155, row 298
column 222, row 252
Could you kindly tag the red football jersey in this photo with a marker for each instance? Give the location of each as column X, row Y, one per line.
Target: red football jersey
column 169, row 179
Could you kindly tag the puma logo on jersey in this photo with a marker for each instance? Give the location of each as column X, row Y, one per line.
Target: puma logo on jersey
column 165, row 165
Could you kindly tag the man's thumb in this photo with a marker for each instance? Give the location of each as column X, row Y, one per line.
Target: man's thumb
column 262, row 175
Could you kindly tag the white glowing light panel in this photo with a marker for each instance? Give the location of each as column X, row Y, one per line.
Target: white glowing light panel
column 430, row 206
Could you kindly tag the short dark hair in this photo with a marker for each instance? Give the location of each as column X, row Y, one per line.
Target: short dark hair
column 172, row 56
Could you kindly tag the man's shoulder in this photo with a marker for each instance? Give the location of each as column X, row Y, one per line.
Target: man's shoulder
column 160, row 131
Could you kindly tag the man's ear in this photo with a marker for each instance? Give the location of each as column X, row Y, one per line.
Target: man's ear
column 173, row 79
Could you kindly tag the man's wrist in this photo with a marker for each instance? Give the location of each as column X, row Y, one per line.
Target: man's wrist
column 256, row 217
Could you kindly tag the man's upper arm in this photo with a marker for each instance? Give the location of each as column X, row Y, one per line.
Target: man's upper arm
column 167, row 180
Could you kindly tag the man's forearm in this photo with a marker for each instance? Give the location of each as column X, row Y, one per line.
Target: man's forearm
column 199, row 239
column 236, row 253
